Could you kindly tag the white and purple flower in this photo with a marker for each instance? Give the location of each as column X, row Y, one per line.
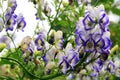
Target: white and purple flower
column 12, row 4
column 10, row 20
column 40, row 41
column 27, row 48
column 21, row 23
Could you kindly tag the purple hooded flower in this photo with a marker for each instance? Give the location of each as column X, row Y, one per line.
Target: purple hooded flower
column 10, row 20
column 97, row 67
column 72, row 58
column 104, row 20
column 28, row 54
column 12, row 4
column 21, row 23
column 64, row 65
column 40, row 41
column 90, row 33
column 88, row 22
column 111, row 67
column 27, row 48
column 49, row 55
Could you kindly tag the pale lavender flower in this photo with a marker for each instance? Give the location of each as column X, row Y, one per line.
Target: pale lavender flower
column 5, row 39
column 49, row 55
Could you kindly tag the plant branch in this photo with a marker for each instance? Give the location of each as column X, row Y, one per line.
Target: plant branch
column 55, row 16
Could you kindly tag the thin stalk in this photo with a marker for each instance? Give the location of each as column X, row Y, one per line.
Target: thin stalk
column 55, row 16
column 11, row 40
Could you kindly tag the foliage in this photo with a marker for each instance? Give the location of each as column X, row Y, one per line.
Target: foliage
column 66, row 50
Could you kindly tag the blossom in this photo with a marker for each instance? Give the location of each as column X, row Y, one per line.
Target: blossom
column 5, row 39
column 12, row 4
column 27, row 48
column 10, row 20
column 49, row 66
column 67, row 59
column 49, row 55
column 21, row 23
column 47, row 9
column 48, row 58
column 64, row 65
column 56, row 38
column 111, row 67
column 59, row 41
column 92, row 34
column 71, row 55
column 40, row 41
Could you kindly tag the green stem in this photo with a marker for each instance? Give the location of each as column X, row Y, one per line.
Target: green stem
column 96, row 3
column 55, row 16
column 2, row 77
column 11, row 39
column 51, row 76
column 82, row 60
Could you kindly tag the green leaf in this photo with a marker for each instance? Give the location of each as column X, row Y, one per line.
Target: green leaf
column 115, row 29
column 115, row 10
column 2, row 62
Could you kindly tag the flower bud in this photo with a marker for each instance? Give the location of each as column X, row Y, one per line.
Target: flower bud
column 2, row 46
column 83, row 72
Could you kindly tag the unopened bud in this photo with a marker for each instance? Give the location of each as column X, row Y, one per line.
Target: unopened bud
column 83, row 71
column 2, row 46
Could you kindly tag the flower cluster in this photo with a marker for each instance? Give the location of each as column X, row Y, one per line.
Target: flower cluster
column 9, row 20
column 93, row 36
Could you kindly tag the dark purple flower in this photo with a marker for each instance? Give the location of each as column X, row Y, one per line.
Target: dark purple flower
column 97, row 67
column 45, row 59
